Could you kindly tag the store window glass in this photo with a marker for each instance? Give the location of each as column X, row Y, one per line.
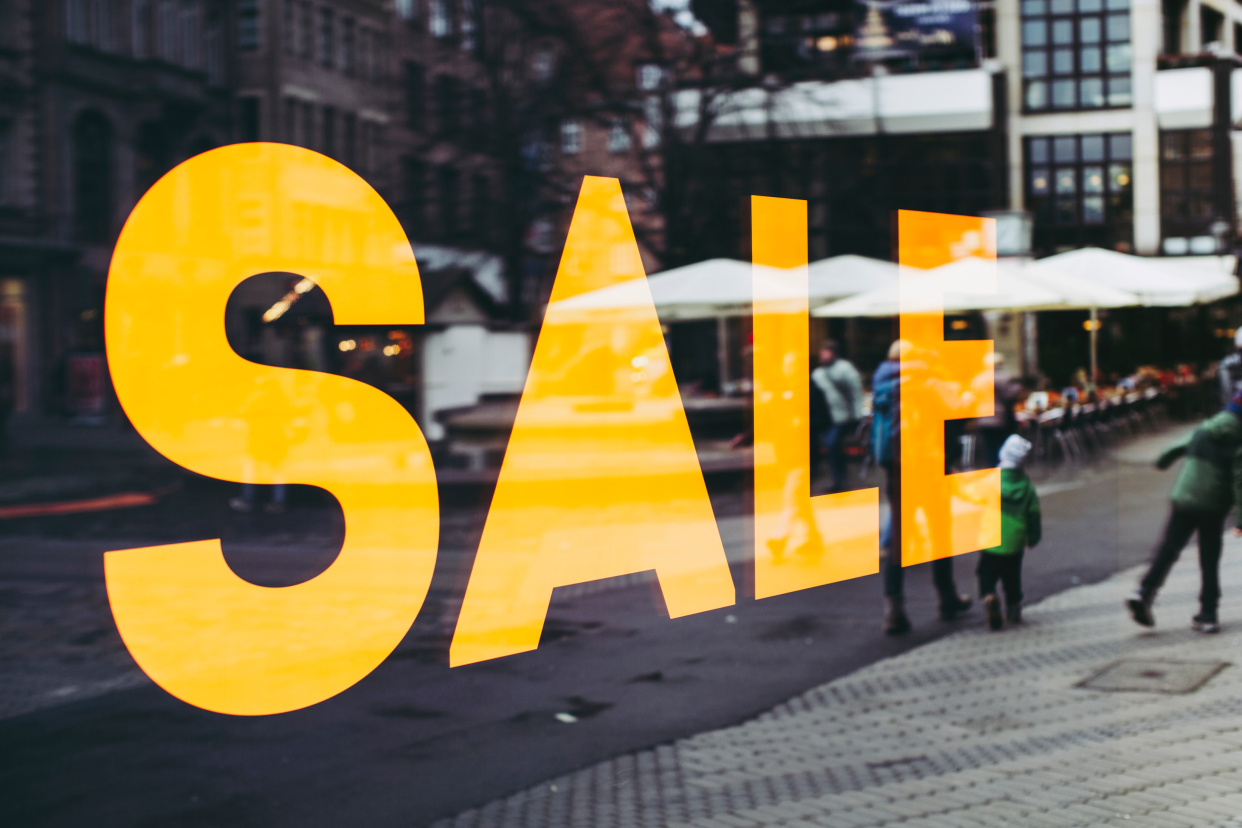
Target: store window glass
column 1079, row 187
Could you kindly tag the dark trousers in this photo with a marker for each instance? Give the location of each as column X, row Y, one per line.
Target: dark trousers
column 1210, row 526
column 833, row 439
column 1004, row 568
column 890, row 537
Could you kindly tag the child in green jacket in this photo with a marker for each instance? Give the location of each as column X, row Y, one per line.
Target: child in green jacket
column 1020, row 527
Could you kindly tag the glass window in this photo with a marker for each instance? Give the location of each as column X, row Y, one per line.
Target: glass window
column 1067, row 42
column 1093, row 148
column 1039, row 181
column 1065, row 149
column 1088, row 195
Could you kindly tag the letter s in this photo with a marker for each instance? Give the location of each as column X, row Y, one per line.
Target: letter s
column 202, row 633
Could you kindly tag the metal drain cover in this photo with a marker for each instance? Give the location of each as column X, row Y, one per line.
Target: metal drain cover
column 1153, row 676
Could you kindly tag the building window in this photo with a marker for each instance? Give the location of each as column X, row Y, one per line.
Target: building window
column 327, row 36
column 289, row 33
column 191, row 36
column 618, row 137
column 307, row 129
column 140, row 35
column 1211, row 26
column 101, row 25
column 248, row 118
column 1076, row 58
column 571, row 137
column 248, row 25
column 92, row 163
column 448, row 109
column 6, row 132
column 439, row 21
column 77, row 27
column 214, row 43
column 292, row 105
column 542, row 65
column 328, row 147
column 649, row 76
column 407, row 9
column 413, row 190
column 1187, row 166
column 448, row 185
column 415, row 80
column 480, row 207
column 467, row 26
column 349, row 55
column 349, row 139
column 1079, row 188
column 306, row 32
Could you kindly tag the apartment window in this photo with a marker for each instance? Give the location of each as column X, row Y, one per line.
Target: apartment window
column 1211, row 26
column 1079, row 188
column 571, row 137
column 6, row 132
column 415, row 81
column 166, row 30
column 307, row 129
column 542, row 65
column 327, row 36
column 448, row 111
column 1076, row 54
column 77, row 26
column 407, row 9
column 618, row 137
column 328, row 147
column 292, row 106
column 191, row 36
column 439, row 21
column 1187, row 167
column 649, row 76
column 306, row 32
column 248, row 25
column 467, row 26
column 349, row 139
column 140, row 34
column 92, row 184
column 289, row 29
column 248, row 118
column 349, row 55
column 449, row 182
column 480, row 206
column 101, row 25
column 653, row 117
column 413, row 189
column 214, row 44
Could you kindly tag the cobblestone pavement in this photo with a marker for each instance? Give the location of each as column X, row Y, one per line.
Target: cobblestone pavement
column 976, row 729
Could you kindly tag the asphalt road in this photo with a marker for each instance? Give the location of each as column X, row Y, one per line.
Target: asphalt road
column 415, row 741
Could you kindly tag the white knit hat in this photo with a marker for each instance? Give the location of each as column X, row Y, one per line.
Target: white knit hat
column 1013, row 452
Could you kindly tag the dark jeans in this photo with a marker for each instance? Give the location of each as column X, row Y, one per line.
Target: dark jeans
column 1183, row 523
column 1004, row 568
column 890, row 538
column 833, row 439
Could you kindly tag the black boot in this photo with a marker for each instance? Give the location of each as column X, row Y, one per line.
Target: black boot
column 895, row 620
column 992, row 608
column 954, row 606
column 1013, row 613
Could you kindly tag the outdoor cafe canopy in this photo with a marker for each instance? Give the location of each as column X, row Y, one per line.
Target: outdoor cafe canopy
column 723, row 287
column 1157, row 281
column 975, row 284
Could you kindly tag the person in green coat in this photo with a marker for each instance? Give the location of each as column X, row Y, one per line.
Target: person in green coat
column 1021, row 526
column 1208, row 485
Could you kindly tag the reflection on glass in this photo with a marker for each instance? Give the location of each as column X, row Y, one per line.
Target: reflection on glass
column 1093, row 210
column 600, row 477
column 1093, row 180
column 1063, row 61
column 1063, row 94
column 202, row 633
column 1037, row 95
column 800, row 541
column 1067, row 181
column 1118, row 57
column 1089, row 59
column 1039, row 181
column 1063, row 32
column 1035, row 64
column 1092, row 92
column 1119, row 91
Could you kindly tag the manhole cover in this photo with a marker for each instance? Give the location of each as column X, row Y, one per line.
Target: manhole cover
column 1149, row 676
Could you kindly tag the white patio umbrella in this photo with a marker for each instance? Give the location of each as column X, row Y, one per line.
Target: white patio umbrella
column 1157, row 282
column 978, row 284
column 723, row 287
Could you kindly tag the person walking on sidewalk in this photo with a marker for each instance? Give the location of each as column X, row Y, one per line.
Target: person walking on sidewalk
column 841, row 386
column 885, row 445
column 1208, row 485
column 1021, row 527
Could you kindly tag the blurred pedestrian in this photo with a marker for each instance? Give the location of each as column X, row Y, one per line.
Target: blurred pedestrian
column 839, row 382
column 1021, row 527
column 1208, row 485
column 1229, row 372
column 885, row 446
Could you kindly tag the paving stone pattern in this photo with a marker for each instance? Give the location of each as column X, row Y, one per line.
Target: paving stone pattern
column 975, row 729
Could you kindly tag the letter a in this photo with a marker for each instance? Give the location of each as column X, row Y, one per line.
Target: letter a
column 600, row 477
